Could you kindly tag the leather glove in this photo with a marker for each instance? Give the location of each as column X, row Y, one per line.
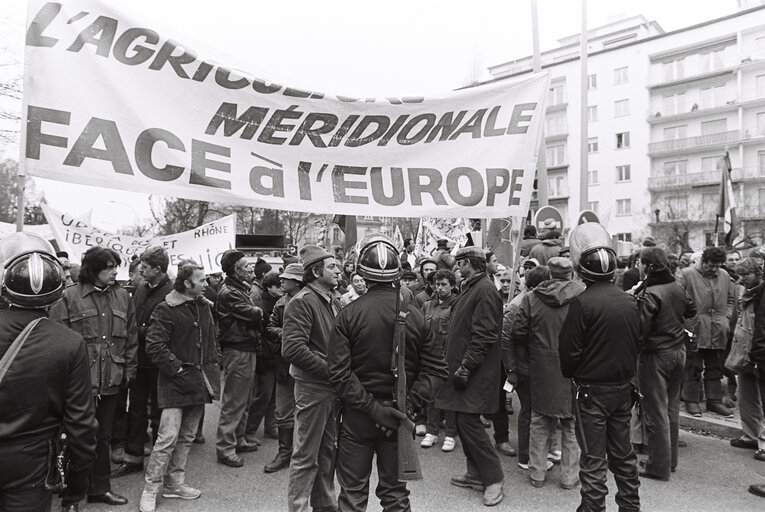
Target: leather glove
column 512, row 378
column 461, row 378
column 387, row 419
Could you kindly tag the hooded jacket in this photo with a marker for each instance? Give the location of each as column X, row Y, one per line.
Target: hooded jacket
column 537, row 326
column 181, row 342
column 715, row 300
column 545, row 250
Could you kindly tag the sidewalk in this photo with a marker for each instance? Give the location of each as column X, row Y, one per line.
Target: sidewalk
column 711, row 423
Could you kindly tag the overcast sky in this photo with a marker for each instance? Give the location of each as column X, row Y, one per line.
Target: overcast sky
column 352, row 47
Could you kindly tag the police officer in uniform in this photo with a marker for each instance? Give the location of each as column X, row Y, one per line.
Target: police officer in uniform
column 359, row 359
column 47, row 388
column 598, row 349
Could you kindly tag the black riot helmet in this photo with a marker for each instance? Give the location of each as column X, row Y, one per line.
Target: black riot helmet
column 32, row 277
column 591, row 252
column 378, row 260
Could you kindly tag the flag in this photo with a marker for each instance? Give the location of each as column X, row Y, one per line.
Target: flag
column 727, row 209
column 398, row 239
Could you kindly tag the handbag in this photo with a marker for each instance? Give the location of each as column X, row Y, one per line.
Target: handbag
column 55, row 480
column 738, row 358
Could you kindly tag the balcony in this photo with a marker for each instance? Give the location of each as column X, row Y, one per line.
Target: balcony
column 658, row 116
column 709, row 141
column 659, row 79
column 751, row 212
column 701, row 179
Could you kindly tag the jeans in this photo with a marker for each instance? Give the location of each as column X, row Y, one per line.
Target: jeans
column 751, row 391
column 482, row 460
column 434, row 416
column 360, row 442
column 524, row 417
column 98, row 481
column 604, row 431
column 237, row 375
column 167, row 463
column 284, row 413
column 262, row 399
column 710, row 362
column 313, row 445
column 120, row 424
column 23, row 467
column 661, row 376
column 543, row 428
column 143, row 393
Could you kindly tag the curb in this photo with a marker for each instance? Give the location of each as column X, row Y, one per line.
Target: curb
column 727, row 428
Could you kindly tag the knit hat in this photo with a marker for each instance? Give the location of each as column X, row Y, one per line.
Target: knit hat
column 649, row 241
column 229, row 259
column 261, row 268
column 470, row 252
column 293, row 271
column 560, row 267
column 530, row 263
column 310, row 254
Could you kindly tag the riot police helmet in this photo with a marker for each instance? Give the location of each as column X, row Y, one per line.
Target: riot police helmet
column 378, row 260
column 591, row 252
column 32, row 276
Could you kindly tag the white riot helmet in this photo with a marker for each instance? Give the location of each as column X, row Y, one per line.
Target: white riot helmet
column 591, row 252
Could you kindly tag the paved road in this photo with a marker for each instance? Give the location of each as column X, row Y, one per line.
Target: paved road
column 712, row 477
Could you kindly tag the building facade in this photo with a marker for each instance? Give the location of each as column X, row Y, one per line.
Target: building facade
column 663, row 108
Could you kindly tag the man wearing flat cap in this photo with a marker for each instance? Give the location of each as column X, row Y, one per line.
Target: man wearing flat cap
column 473, row 356
column 239, row 326
column 308, row 322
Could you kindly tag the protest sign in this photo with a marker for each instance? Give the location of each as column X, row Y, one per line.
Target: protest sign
column 204, row 245
column 111, row 101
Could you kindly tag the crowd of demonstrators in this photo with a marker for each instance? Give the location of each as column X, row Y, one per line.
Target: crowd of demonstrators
column 296, row 349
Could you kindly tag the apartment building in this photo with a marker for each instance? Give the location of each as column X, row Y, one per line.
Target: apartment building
column 663, row 108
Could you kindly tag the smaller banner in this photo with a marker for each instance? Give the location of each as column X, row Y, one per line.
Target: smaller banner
column 434, row 229
column 205, row 244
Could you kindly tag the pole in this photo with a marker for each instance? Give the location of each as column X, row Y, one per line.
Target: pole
column 583, row 163
column 516, row 260
column 20, row 186
column 542, row 197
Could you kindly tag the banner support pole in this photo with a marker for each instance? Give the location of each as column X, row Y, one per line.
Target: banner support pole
column 516, row 260
column 20, row 188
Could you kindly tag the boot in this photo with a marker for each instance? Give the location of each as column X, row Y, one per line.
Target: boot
column 714, row 394
column 282, row 459
column 693, row 409
column 717, row 407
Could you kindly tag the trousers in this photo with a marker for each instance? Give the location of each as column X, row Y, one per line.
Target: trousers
column 661, row 377
column 603, row 430
column 543, row 429
column 751, row 403
column 167, row 463
column 710, row 363
column 143, row 396
column 120, row 423
column 482, row 460
column 264, row 384
column 236, row 394
column 98, row 481
column 360, row 441
column 23, row 468
column 311, row 481
column 434, row 416
column 284, row 412
column 524, row 418
column 499, row 419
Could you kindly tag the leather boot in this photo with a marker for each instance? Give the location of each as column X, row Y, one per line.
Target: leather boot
column 714, row 394
column 717, row 407
column 283, row 456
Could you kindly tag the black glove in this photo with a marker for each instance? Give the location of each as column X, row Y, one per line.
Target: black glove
column 461, row 378
column 749, row 368
column 387, row 419
column 512, row 378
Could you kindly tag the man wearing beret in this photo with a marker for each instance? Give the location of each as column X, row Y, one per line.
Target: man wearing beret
column 308, row 322
column 239, row 326
column 473, row 356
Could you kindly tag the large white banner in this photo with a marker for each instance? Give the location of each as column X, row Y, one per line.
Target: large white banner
column 205, row 244
column 113, row 102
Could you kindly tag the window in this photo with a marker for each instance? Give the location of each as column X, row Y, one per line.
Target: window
column 592, row 145
column 710, row 203
column 622, row 173
column 760, row 85
column 624, row 237
column 678, row 207
column 592, row 113
column 713, row 96
column 759, row 44
column 761, row 162
column 558, row 93
column 709, row 238
column 592, row 81
column 555, row 123
column 621, row 108
column 711, row 61
column 760, row 123
column 621, row 75
column 673, row 103
column 622, row 140
column 675, row 132
column 675, row 167
column 592, row 177
column 593, row 206
column 556, row 155
column 709, row 163
column 715, row 126
column 623, row 207
column 557, row 185
column 674, row 69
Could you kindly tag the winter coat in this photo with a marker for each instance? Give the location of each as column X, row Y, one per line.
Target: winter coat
column 308, row 322
column 715, row 301
column 239, row 319
column 106, row 322
column 545, row 250
column 274, row 338
column 145, row 299
column 437, row 313
column 267, row 353
column 515, row 357
column 361, row 350
column 475, row 330
column 181, row 342
column 757, row 352
column 666, row 309
column 537, row 325
column 527, row 244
